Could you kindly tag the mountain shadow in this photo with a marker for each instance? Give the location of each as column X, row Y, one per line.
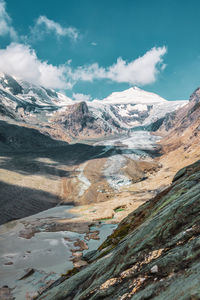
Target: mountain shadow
column 19, row 202
column 28, row 152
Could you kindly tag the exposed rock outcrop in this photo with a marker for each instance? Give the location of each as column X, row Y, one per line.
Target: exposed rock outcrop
column 153, row 254
column 79, row 121
column 178, row 121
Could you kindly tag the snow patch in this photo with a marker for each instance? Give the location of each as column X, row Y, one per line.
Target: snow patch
column 140, row 107
column 113, row 172
column 83, row 181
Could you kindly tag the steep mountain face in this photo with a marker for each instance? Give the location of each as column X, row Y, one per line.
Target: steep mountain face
column 22, row 97
column 19, row 138
column 80, row 121
column 186, row 116
column 134, row 109
column 133, row 116
column 137, row 109
column 153, row 254
column 183, row 127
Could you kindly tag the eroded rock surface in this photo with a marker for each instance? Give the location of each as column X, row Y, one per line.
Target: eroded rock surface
column 153, row 254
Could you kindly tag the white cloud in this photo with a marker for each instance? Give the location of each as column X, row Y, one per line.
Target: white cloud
column 141, row 71
column 21, row 61
column 81, row 97
column 6, row 27
column 52, row 26
column 86, row 73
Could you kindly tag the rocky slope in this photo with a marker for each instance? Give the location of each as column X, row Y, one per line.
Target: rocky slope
column 79, row 121
column 154, row 253
column 181, row 143
column 25, row 98
column 178, row 121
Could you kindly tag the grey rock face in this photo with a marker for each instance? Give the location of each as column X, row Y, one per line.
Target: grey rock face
column 153, row 254
column 195, row 97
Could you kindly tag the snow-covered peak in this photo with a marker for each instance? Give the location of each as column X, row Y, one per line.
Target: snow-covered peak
column 64, row 100
column 17, row 90
column 133, row 95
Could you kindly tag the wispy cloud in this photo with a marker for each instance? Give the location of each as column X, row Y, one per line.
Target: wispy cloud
column 45, row 25
column 42, row 26
column 6, row 27
column 81, row 97
column 141, row 71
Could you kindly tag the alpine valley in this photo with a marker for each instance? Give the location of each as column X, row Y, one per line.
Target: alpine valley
column 99, row 199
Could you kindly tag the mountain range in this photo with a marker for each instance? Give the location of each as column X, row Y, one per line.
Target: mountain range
column 119, row 113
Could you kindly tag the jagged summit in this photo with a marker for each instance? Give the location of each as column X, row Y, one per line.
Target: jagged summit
column 13, row 90
column 133, row 95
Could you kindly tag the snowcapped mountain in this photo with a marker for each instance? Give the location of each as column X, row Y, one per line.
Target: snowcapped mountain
column 133, row 95
column 119, row 113
column 18, row 95
column 134, row 108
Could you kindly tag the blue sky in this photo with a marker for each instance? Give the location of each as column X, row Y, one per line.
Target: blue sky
column 90, row 48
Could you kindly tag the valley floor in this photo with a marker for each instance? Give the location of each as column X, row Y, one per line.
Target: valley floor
column 102, row 182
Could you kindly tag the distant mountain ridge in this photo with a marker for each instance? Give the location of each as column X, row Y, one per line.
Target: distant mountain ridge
column 119, row 113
